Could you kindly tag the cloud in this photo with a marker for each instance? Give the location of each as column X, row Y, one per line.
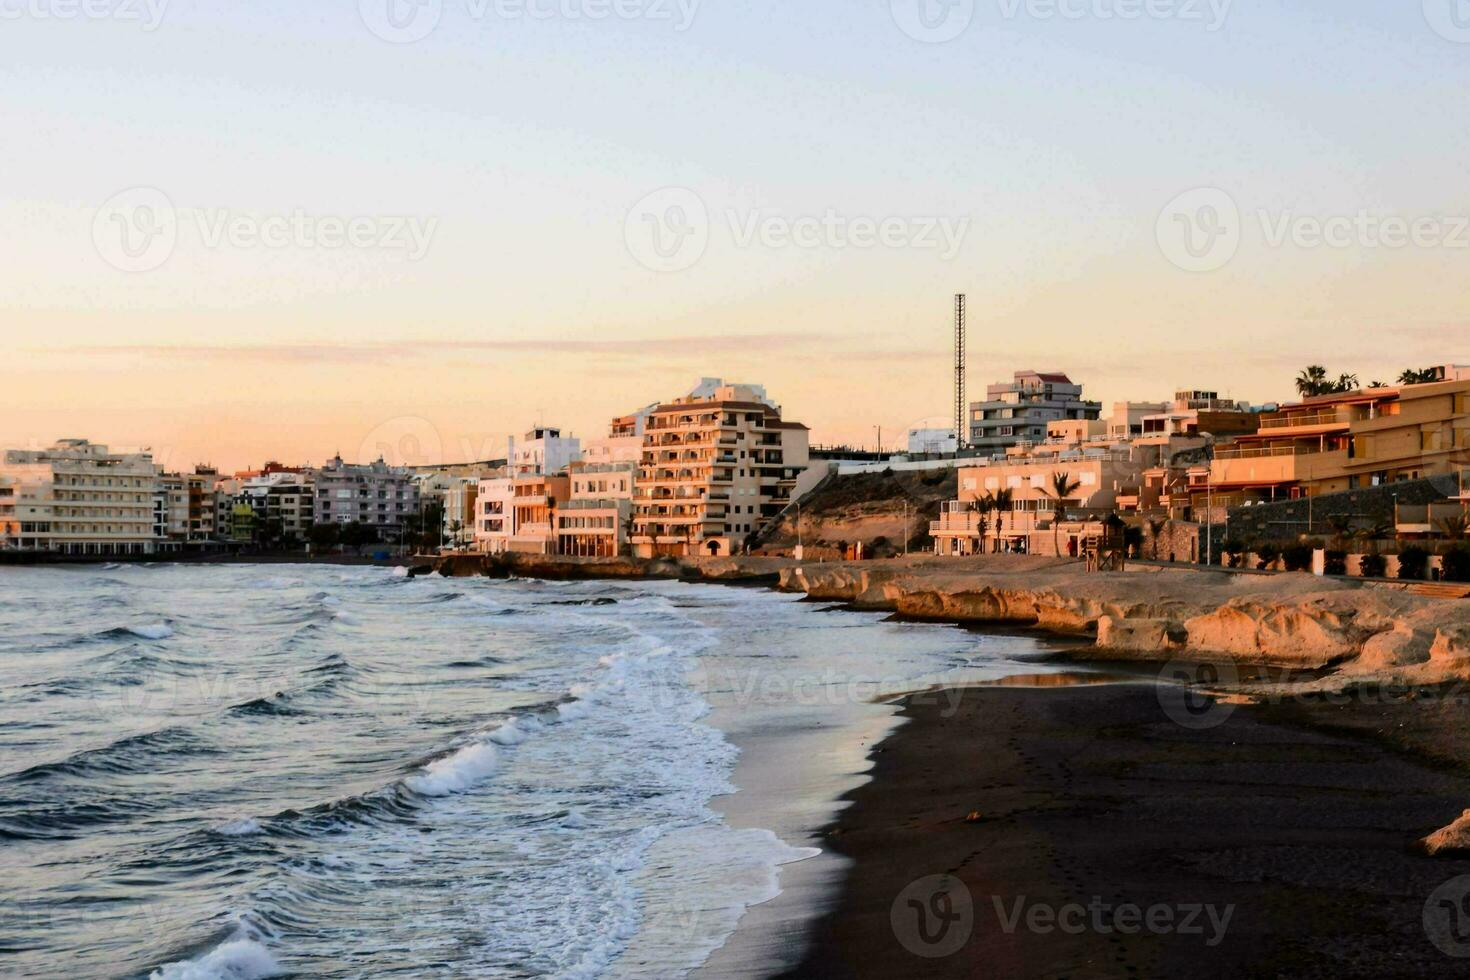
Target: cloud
column 680, row 347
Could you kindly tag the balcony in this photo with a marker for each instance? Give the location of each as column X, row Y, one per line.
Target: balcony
column 1267, row 465
column 1333, row 417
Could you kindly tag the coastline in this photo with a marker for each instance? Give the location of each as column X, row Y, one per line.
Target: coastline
column 1097, row 797
column 1411, row 781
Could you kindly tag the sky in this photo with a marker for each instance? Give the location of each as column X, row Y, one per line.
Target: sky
column 281, row 230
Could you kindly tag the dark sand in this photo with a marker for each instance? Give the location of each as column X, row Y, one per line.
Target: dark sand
column 1095, row 798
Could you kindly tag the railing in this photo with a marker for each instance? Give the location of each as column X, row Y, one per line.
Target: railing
column 1331, row 417
column 1266, row 452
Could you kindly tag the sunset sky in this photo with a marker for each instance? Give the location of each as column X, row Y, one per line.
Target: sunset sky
column 524, row 149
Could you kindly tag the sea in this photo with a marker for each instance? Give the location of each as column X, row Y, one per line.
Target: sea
column 248, row 771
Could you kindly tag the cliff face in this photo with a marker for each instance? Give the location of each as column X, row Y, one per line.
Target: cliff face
column 876, row 509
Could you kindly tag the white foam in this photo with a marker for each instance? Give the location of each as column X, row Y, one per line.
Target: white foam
column 152, row 631
column 400, row 572
column 246, row 827
column 239, row 959
column 511, row 733
column 457, row 772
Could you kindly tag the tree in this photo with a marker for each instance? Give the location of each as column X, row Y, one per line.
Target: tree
column 455, row 529
column 1312, row 381
column 1342, row 529
column 1423, row 377
column 354, row 536
column 1454, row 526
column 1062, row 487
column 324, row 537
column 1001, row 501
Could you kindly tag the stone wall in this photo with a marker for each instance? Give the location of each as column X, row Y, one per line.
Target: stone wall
column 1287, row 520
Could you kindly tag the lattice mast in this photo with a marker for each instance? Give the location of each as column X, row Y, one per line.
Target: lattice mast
column 961, row 426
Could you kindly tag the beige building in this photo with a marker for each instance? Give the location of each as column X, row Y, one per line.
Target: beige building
column 1111, row 475
column 78, row 498
column 516, row 513
column 595, row 522
column 1342, row 442
column 185, row 509
column 716, row 466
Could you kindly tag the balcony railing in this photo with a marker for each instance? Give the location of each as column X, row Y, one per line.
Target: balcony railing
column 1305, row 419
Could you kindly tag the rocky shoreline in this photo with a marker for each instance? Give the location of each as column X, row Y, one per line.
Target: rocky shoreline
column 1338, row 632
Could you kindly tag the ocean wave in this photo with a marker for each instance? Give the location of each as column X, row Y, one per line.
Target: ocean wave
column 145, row 631
column 277, row 705
column 246, row 827
column 129, row 755
column 457, row 772
column 242, row 957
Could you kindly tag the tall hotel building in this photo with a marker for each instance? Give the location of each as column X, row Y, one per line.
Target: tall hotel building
column 717, row 465
column 77, row 498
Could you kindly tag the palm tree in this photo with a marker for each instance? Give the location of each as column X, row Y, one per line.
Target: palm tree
column 1001, row 501
column 1062, row 487
column 983, row 505
column 1412, row 377
column 1345, row 383
column 1454, row 526
column 1312, row 381
column 1342, row 528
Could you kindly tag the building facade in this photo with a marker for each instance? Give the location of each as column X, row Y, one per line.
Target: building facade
column 373, row 494
column 717, row 465
column 78, row 498
column 1019, row 411
column 597, row 518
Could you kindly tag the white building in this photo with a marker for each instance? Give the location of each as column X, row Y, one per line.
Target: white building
column 931, row 437
column 544, row 451
column 78, row 498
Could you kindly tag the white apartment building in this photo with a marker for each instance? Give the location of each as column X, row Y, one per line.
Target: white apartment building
column 78, row 498
column 543, row 451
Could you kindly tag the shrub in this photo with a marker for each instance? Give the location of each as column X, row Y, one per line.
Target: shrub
column 1267, row 555
column 1235, row 548
column 1457, row 564
column 1336, row 562
column 1413, row 563
column 1374, row 566
column 1298, row 557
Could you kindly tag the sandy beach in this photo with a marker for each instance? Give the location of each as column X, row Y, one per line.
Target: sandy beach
column 1125, row 830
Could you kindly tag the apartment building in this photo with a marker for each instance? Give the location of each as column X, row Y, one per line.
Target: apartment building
column 515, row 513
column 1020, row 410
column 1342, row 442
column 623, row 443
column 717, row 465
column 373, row 494
column 1111, row 475
column 78, row 498
column 284, row 503
column 543, row 450
column 185, row 509
column 1197, row 412
column 595, row 520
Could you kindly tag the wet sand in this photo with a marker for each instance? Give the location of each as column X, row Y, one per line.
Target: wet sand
column 1134, row 830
